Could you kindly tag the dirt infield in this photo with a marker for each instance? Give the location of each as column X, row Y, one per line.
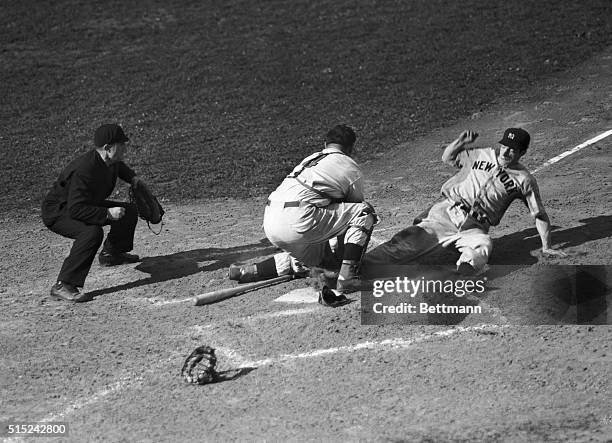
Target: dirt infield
column 110, row 368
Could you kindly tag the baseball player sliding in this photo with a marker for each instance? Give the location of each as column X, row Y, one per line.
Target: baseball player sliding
column 474, row 199
column 320, row 200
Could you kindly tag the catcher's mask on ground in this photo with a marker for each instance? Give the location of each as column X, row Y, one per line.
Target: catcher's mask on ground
column 199, row 366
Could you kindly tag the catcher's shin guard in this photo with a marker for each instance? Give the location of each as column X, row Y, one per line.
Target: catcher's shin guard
column 348, row 277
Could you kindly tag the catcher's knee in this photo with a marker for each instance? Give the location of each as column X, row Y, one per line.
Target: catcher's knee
column 366, row 219
column 368, row 210
column 360, row 229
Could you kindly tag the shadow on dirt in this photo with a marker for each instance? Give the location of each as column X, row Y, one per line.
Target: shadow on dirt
column 232, row 374
column 517, row 247
column 181, row 264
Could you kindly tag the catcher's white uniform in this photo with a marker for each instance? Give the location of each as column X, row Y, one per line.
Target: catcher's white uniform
column 320, row 200
column 474, row 199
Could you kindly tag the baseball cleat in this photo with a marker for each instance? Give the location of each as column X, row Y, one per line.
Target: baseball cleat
column 67, row 292
column 353, row 285
column 331, row 298
column 107, row 259
column 321, row 277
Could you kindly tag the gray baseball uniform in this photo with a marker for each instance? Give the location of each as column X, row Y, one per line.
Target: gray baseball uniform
column 321, row 199
column 474, row 199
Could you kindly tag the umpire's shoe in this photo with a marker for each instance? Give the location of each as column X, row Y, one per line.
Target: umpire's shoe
column 108, row 259
column 65, row 291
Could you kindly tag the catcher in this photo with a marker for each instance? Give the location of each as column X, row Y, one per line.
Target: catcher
column 76, row 207
column 321, row 200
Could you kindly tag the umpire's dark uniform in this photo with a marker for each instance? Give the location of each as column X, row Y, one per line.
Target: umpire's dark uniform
column 76, row 207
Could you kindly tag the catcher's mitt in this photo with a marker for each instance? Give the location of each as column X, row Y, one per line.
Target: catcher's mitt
column 206, row 373
column 148, row 206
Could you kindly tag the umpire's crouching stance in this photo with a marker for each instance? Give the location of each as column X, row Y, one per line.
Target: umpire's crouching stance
column 76, row 207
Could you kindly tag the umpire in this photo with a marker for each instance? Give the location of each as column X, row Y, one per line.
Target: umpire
column 77, row 207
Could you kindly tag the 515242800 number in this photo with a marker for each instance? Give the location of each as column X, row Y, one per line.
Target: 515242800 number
column 23, row 429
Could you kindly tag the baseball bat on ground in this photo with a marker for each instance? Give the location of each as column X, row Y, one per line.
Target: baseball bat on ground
column 222, row 294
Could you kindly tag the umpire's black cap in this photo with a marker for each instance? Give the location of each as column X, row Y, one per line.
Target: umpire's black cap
column 516, row 138
column 342, row 135
column 109, row 134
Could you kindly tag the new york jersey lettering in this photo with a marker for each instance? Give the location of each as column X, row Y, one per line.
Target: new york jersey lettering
column 493, row 187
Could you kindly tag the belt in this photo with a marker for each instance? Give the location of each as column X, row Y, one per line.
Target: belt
column 476, row 215
column 294, row 204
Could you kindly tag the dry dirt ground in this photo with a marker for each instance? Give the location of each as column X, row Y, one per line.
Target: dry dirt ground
column 110, row 367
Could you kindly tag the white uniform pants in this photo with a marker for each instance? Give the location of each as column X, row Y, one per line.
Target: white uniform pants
column 445, row 225
column 304, row 232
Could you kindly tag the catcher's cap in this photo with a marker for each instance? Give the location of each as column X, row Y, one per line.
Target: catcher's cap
column 516, row 138
column 109, row 134
column 342, row 135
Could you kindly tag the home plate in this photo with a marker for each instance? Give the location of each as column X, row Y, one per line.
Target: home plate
column 301, row 295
